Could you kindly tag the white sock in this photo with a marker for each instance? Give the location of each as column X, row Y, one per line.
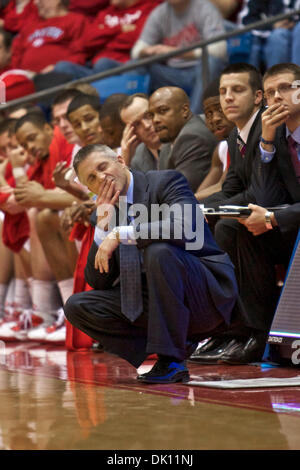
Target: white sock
column 29, row 284
column 45, row 298
column 3, row 291
column 66, row 288
column 22, row 295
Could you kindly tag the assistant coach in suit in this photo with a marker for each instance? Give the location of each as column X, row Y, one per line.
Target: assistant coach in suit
column 192, row 143
column 187, row 283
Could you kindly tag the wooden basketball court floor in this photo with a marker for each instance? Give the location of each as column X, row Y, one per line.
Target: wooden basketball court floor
column 53, row 399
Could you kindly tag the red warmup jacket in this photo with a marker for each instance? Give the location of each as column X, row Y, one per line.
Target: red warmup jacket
column 105, row 36
column 14, row 21
column 16, row 228
column 46, row 41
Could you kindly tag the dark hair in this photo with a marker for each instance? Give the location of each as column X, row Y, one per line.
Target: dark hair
column 7, row 38
column 35, row 118
column 81, row 100
column 285, row 67
column 84, row 152
column 65, row 95
column 211, row 90
column 111, row 107
column 255, row 77
column 65, row 3
column 129, row 100
column 8, row 125
column 28, row 107
column 85, row 88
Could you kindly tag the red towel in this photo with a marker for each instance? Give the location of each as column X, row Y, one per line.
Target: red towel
column 76, row 339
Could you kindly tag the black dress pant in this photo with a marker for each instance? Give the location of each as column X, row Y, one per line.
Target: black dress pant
column 178, row 309
column 255, row 258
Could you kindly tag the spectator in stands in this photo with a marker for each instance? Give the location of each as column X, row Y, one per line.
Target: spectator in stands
column 219, row 125
column 274, row 43
column 228, row 8
column 192, row 144
column 17, row 14
column 266, row 238
column 42, row 43
column 108, row 41
column 176, row 24
column 5, row 50
column 111, row 123
column 141, row 145
column 89, row 8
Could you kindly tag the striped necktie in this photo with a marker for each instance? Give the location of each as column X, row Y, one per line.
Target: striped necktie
column 241, row 145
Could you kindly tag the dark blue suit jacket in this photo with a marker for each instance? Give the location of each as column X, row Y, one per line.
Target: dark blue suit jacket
column 171, row 189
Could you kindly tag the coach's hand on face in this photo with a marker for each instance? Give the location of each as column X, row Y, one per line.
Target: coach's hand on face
column 106, row 201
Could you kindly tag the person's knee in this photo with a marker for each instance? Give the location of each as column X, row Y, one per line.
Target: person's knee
column 63, row 66
column 279, row 34
column 225, row 234
column 158, row 254
column 71, row 308
column 45, row 219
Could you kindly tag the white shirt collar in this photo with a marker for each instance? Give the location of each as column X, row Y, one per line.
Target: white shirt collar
column 244, row 133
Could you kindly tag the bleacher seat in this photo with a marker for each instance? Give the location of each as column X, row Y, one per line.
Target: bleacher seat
column 126, row 83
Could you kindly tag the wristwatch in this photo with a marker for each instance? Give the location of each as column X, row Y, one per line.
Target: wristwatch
column 268, row 220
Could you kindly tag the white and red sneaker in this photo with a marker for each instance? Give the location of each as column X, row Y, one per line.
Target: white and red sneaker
column 10, row 319
column 56, row 333
column 28, row 321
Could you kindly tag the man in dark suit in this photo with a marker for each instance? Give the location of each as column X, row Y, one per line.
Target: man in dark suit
column 241, row 98
column 187, row 288
column 266, row 238
column 192, row 144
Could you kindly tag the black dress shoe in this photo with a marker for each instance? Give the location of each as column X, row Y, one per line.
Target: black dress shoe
column 165, row 372
column 210, row 345
column 213, row 356
column 244, row 352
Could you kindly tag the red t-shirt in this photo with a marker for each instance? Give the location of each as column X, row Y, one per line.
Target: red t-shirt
column 14, row 21
column 44, row 42
column 105, row 36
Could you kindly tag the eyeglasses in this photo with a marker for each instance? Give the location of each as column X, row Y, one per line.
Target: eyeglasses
column 283, row 89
